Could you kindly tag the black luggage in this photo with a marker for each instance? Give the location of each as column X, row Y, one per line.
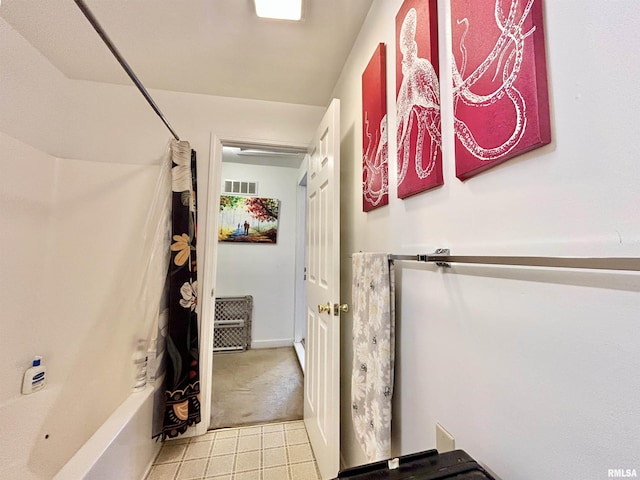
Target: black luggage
column 428, row 465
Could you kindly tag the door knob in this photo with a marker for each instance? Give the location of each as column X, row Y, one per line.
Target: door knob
column 341, row 307
column 324, row 308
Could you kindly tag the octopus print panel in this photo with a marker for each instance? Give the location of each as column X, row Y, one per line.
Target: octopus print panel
column 375, row 167
column 500, row 98
column 418, row 98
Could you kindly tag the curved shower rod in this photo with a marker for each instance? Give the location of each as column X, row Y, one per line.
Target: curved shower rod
column 123, row 63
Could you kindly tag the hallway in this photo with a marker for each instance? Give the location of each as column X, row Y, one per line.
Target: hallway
column 254, row 387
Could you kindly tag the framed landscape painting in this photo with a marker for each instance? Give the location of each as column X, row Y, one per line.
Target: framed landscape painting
column 500, row 98
column 248, row 219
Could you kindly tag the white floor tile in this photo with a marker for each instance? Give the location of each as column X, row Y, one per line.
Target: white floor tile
column 192, row 469
column 171, row 453
column 166, row 471
column 198, row 450
column 279, row 451
column 220, row 465
column 247, row 444
column 304, row 471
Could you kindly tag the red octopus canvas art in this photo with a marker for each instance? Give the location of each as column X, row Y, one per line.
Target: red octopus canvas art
column 500, row 98
column 419, row 144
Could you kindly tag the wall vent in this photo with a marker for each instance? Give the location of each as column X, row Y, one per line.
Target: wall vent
column 238, row 187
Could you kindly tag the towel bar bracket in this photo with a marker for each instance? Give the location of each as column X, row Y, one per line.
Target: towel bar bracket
column 442, row 252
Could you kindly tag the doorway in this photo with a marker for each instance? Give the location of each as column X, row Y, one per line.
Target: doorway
column 300, row 320
column 322, row 362
column 261, row 261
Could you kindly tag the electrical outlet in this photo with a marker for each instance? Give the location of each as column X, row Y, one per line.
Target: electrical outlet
column 444, row 440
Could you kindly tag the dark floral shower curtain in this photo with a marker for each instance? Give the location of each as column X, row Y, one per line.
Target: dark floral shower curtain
column 182, row 377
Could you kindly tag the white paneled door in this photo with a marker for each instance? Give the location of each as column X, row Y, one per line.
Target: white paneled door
column 322, row 369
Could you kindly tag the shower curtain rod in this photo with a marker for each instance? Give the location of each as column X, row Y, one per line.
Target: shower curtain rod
column 123, row 63
column 443, row 258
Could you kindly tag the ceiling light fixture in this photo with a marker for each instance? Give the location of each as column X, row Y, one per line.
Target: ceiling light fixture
column 279, row 9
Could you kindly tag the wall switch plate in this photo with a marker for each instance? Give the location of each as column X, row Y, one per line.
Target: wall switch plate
column 444, row 440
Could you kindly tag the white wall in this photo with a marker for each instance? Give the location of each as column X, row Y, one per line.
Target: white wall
column 533, row 371
column 265, row 271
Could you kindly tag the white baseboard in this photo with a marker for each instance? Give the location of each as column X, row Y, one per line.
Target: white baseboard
column 300, row 353
column 280, row 342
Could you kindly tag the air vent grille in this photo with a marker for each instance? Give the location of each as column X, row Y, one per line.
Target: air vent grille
column 240, row 187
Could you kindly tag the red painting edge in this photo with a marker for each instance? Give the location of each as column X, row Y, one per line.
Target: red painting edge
column 375, row 161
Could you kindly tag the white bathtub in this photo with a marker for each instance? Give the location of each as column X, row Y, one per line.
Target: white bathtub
column 122, row 448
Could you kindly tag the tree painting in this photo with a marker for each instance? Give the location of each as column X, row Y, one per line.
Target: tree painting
column 248, row 219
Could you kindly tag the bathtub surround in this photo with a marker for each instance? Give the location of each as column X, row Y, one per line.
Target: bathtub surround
column 79, row 251
column 120, row 449
column 85, row 154
column 78, row 165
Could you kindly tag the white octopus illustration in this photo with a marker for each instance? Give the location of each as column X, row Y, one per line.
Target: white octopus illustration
column 506, row 60
column 418, row 101
column 375, row 176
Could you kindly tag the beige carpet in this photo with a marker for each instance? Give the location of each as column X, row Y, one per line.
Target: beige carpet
column 256, row 386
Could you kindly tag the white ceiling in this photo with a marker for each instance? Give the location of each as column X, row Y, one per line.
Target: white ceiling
column 215, row 47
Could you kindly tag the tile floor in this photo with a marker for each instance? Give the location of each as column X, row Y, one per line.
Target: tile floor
column 277, row 451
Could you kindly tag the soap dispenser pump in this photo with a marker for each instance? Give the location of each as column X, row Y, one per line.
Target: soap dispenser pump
column 34, row 377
